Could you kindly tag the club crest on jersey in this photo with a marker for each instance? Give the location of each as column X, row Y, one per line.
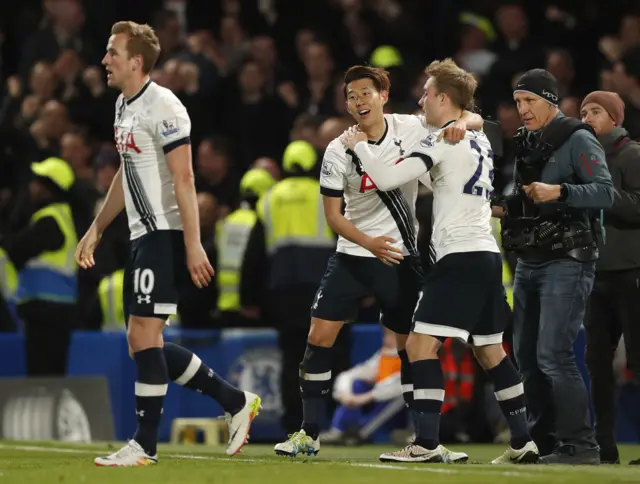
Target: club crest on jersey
column 429, row 141
column 169, row 127
column 398, row 143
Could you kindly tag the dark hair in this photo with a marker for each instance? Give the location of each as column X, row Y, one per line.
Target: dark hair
column 631, row 63
column 379, row 77
column 220, row 144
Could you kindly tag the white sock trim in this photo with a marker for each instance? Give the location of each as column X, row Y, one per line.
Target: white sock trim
column 428, row 394
column 149, row 390
column 509, row 393
column 315, row 376
column 190, row 371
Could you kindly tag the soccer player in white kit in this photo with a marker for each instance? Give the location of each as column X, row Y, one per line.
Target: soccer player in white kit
column 377, row 246
column 463, row 295
column 155, row 185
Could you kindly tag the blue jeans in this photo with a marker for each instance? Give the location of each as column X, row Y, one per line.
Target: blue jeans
column 549, row 301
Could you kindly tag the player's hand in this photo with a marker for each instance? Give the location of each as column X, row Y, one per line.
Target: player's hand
column 542, row 192
column 352, row 136
column 86, row 248
column 381, row 247
column 199, row 266
column 454, row 133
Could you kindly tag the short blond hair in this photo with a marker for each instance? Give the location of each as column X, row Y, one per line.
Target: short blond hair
column 453, row 81
column 142, row 41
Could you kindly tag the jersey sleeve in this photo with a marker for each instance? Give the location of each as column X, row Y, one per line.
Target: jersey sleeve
column 333, row 173
column 429, row 150
column 171, row 124
column 389, row 177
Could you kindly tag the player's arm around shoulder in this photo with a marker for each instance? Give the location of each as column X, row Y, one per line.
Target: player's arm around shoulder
column 588, row 161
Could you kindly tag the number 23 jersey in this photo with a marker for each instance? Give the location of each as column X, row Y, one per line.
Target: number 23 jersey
column 462, row 182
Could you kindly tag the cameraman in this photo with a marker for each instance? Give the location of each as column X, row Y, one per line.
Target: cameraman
column 561, row 183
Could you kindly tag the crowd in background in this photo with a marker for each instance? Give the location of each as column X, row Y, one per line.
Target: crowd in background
column 255, row 75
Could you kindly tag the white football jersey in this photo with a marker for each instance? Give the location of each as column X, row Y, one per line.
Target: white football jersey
column 462, row 183
column 374, row 212
column 147, row 126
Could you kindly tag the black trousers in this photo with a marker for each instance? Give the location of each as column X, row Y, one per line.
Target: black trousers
column 48, row 327
column 614, row 310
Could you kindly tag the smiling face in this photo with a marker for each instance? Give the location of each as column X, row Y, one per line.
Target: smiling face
column 598, row 118
column 534, row 111
column 365, row 103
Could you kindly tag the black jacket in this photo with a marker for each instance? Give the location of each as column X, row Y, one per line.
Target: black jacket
column 621, row 249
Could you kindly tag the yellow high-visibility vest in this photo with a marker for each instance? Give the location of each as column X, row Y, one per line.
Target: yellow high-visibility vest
column 232, row 236
column 110, row 292
column 52, row 276
column 292, row 213
column 8, row 277
column 507, row 277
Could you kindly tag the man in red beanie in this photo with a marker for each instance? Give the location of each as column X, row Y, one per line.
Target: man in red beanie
column 614, row 304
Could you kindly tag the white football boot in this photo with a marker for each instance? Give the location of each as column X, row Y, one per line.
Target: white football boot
column 131, row 455
column 416, row 453
column 529, row 454
column 298, row 443
column 240, row 423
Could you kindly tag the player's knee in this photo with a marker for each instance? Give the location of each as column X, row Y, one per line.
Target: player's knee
column 422, row 346
column 144, row 333
column 489, row 356
column 323, row 333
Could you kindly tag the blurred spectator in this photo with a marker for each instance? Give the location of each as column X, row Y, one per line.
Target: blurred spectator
column 167, row 26
column 76, row 150
column 270, row 165
column 626, row 79
column 570, row 106
column 232, row 236
column 251, row 113
column 215, row 174
column 560, row 64
column 474, row 54
column 317, row 94
column 42, row 253
column 63, row 27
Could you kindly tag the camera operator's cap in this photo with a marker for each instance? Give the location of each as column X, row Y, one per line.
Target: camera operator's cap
column 610, row 101
column 56, row 170
column 299, row 153
column 257, row 181
column 540, row 83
